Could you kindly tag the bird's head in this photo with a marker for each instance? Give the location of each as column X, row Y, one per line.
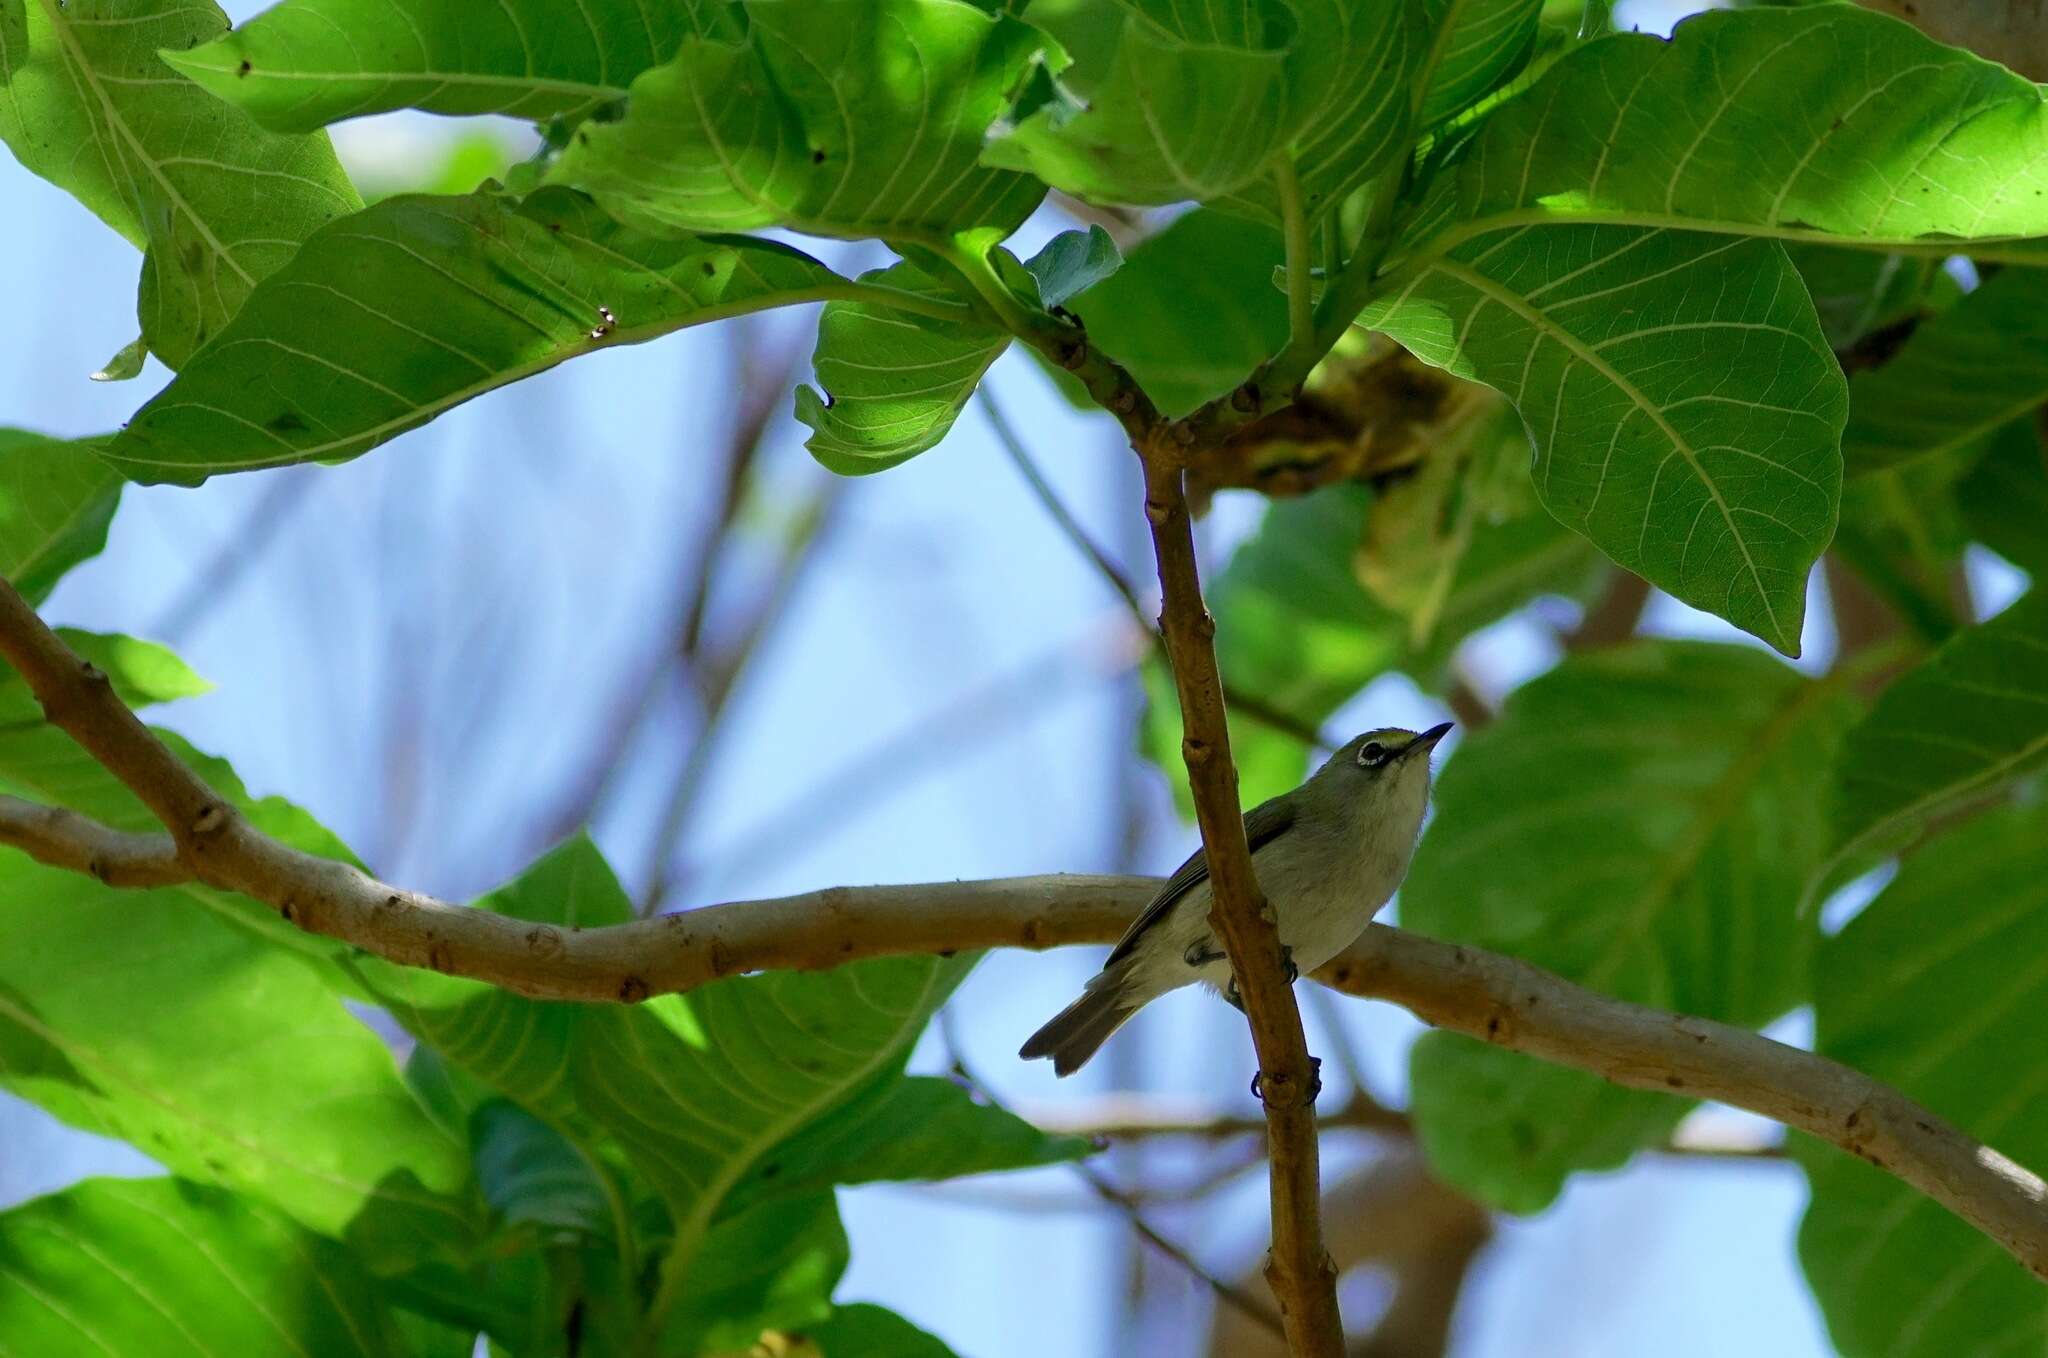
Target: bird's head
column 1388, row 766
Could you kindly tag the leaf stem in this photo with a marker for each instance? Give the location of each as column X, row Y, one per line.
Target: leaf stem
column 1295, row 230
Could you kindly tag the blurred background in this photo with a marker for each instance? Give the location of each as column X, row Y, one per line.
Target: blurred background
column 616, row 594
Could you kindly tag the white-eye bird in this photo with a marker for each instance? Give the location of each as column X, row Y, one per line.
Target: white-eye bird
column 1328, row 855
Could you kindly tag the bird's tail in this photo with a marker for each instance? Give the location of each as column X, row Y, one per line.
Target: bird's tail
column 1074, row 1034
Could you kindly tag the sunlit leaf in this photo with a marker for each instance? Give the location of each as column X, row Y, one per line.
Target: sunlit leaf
column 839, row 118
column 305, row 63
column 1474, row 45
column 176, row 1269
column 1802, row 121
column 445, row 299
column 1685, row 410
column 1640, row 821
column 214, row 201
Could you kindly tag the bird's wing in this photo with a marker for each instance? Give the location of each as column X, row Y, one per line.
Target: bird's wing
column 1265, row 822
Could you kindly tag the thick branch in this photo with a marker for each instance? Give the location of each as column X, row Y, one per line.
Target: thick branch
column 65, row 839
column 1299, row 1268
column 1499, row 999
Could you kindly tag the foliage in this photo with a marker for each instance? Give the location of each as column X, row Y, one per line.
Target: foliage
column 1691, row 306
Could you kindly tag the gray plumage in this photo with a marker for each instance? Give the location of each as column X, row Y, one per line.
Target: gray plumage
column 1328, row 855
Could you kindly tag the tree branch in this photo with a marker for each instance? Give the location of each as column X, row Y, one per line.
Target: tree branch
column 1298, row 1268
column 1498, row 999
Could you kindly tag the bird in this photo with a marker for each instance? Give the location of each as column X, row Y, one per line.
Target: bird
column 1328, row 855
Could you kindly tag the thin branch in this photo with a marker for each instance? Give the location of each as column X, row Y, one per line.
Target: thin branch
column 64, row 839
column 1301, row 322
column 1126, row 1117
column 1298, row 1268
column 1612, row 618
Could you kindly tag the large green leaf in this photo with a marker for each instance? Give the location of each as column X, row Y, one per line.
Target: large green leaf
column 1813, row 121
column 306, row 63
column 1963, row 724
column 1193, row 310
column 214, row 201
column 894, row 383
column 444, row 299
column 1965, row 373
column 169, row 1268
column 1685, row 409
column 57, row 497
column 838, row 118
column 1936, row 989
column 1640, row 821
column 1294, row 625
column 863, row 1331
column 766, row 1268
column 698, row 1092
column 1474, row 46
column 1195, row 103
column 229, row 1060
column 2004, row 499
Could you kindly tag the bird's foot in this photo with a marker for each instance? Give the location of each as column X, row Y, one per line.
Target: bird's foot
column 1230, row 994
column 1287, row 967
column 1315, row 1081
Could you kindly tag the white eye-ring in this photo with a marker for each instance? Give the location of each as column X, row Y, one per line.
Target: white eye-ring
column 1372, row 754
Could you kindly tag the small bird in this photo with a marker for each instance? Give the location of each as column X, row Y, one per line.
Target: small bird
column 1328, row 855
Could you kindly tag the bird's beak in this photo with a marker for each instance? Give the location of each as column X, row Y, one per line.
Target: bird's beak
column 1428, row 739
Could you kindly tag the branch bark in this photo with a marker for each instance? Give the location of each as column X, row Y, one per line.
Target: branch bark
column 1298, row 1268
column 1498, row 999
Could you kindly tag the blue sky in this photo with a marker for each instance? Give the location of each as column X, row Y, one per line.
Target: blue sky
column 498, row 568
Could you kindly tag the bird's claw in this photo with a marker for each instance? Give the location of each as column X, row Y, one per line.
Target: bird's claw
column 1287, row 967
column 1315, row 1081
column 1231, row 995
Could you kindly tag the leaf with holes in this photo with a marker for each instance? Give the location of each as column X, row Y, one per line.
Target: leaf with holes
column 847, row 118
column 306, row 63
column 1686, row 411
column 57, row 498
column 894, row 383
column 216, row 203
column 1963, row 375
column 167, row 1267
column 1960, row 726
column 1937, row 989
column 446, row 299
column 1641, row 822
column 1806, row 122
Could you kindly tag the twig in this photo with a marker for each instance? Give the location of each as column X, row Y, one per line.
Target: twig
column 1248, row 705
column 1122, row 1117
column 1298, row 1268
column 1612, row 618
column 1508, row 1002
column 1125, row 1203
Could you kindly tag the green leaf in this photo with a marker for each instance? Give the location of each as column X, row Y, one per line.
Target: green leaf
column 1936, row 989
column 1475, row 45
column 215, row 202
column 1640, row 821
column 126, row 364
column 532, row 1177
column 229, row 1058
column 768, row 1268
column 838, row 118
column 141, row 673
column 1195, row 104
column 1685, row 410
column 907, row 1128
column 170, row 1268
column 1860, row 292
column 864, row 1331
column 697, row 1092
column 57, row 498
column 894, row 382
column 1193, row 310
column 1963, row 724
column 2004, row 499
column 1294, row 625
column 305, row 63
column 1805, row 122
column 447, row 298
column 1072, row 262
column 1963, row 375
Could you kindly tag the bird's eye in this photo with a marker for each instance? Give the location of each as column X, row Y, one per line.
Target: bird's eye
column 1372, row 754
